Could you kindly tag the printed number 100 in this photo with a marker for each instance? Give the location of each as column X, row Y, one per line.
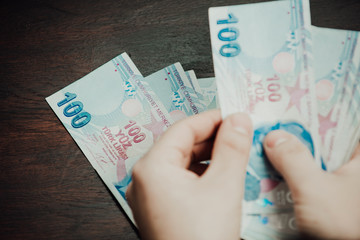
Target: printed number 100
column 229, row 34
column 73, row 109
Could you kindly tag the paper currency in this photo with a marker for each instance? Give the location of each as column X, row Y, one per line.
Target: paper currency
column 200, row 100
column 175, row 91
column 351, row 122
column 274, row 226
column 194, row 82
column 267, row 72
column 268, row 62
column 336, row 62
column 264, row 66
column 114, row 117
column 209, row 91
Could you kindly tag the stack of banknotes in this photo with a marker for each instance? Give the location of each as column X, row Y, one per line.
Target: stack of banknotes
column 270, row 62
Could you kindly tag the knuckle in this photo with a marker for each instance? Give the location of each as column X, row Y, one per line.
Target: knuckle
column 239, row 143
column 137, row 171
column 289, row 147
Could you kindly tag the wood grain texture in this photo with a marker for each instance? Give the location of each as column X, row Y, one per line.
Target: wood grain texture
column 48, row 189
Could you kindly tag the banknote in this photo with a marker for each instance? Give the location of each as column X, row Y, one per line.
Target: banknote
column 114, row 117
column 198, row 98
column 336, row 60
column 194, row 82
column 173, row 88
column 262, row 62
column 354, row 119
column 347, row 132
column 270, row 226
column 209, row 91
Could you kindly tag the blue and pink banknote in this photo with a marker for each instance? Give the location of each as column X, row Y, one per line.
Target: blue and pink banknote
column 114, row 114
column 270, row 62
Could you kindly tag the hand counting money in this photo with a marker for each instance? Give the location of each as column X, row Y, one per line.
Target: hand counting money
column 263, row 62
column 269, row 62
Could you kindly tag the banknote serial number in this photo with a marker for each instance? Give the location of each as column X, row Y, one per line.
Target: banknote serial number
column 74, row 109
column 228, row 35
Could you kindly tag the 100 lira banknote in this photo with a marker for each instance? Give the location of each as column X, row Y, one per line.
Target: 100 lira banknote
column 114, row 117
column 172, row 86
column 336, row 63
column 262, row 61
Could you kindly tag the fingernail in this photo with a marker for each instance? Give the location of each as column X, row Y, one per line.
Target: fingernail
column 276, row 139
column 241, row 130
column 280, row 141
column 238, row 121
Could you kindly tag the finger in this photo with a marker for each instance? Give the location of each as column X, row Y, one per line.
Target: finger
column 202, row 151
column 351, row 166
column 177, row 143
column 129, row 194
column 356, row 154
column 198, row 168
column 231, row 149
column 291, row 158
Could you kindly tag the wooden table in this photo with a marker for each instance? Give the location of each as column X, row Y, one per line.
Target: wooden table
column 48, row 189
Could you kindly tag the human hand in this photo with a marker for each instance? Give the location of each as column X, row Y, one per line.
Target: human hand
column 170, row 201
column 326, row 204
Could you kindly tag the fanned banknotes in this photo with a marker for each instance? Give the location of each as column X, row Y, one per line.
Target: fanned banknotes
column 264, row 65
column 114, row 117
column 175, row 91
column 114, row 114
column 266, row 71
column 268, row 61
column 209, row 91
column 336, row 64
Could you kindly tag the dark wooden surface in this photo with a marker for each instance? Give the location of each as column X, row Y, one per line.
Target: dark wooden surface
column 48, row 189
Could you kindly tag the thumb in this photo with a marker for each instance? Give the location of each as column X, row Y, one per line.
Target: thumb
column 231, row 148
column 291, row 158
